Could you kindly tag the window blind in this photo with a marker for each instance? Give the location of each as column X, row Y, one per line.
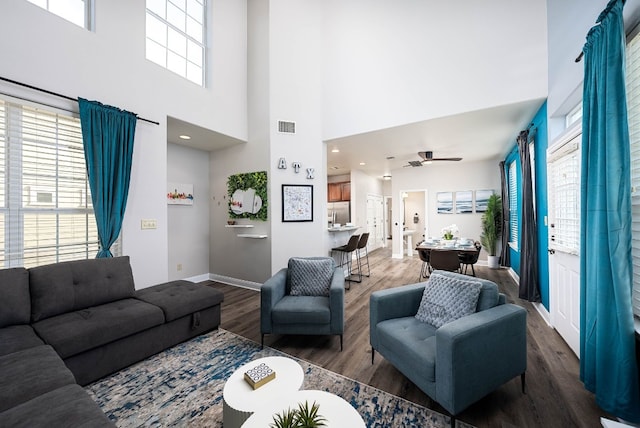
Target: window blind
column 513, row 204
column 633, row 104
column 564, row 206
column 46, row 214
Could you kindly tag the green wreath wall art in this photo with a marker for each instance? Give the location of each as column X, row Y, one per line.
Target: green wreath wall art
column 248, row 195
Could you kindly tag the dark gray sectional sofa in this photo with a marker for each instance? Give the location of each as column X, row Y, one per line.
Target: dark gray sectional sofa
column 69, row 324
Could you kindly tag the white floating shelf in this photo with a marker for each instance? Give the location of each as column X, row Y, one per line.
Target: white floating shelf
column 238, row 225
column 251, row 235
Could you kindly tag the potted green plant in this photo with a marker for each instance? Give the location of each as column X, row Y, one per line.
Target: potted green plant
column 302, row 417
column 492, row 229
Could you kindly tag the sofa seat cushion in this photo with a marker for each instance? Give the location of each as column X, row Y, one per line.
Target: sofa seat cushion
column 80, row 331
column 29, row 373
column 301, row 310
column 15, row 300
column 68, row 406
column 180, row 298
column 415, row 341
column 18, row 337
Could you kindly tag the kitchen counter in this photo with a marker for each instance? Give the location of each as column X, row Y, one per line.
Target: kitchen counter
column 342, row 228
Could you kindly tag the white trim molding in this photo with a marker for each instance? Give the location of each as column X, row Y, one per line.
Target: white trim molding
column 235, row 281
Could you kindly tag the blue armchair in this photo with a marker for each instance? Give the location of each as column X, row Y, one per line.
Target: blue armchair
column 283, row 311
column 463, row 360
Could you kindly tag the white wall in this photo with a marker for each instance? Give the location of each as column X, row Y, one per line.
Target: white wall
column 188, row 240
column 109, row 65
column 295, row 67
column 442, row 177
column 391, row 63
column 569, row 22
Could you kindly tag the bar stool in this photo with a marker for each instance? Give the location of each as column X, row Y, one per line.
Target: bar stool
column 362, row 244
column 346, row 256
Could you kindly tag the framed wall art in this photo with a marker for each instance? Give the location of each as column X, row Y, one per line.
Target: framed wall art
column 482, row 198
column 297, row 202
column 248, row 195
column 444, row 201
column 464, row 202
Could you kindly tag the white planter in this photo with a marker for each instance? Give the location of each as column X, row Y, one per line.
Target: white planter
column 493, row 262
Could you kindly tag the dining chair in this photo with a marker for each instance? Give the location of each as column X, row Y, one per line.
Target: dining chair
column 425, row 271
column 468, row 258
column 444, row 260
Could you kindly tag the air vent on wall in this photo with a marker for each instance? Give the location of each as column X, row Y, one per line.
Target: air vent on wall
column 286, row 127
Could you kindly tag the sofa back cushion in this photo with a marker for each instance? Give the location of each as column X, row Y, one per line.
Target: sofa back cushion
column 489, row 293
column 310, row 276
column 15, row 302
column 69, row 286
column 447, row 298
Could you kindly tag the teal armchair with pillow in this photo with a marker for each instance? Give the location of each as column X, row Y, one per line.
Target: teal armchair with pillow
column 306, row 297
column 453, row 336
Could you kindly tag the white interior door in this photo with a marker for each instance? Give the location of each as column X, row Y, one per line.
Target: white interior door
column 563, row 167
column 375, row 222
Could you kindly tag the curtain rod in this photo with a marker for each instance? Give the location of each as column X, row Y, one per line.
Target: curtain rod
column 61, row 95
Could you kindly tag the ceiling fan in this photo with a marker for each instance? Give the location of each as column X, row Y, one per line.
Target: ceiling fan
column 427, row 158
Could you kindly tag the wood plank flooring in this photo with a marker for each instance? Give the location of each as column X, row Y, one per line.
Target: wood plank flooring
column 555, row 396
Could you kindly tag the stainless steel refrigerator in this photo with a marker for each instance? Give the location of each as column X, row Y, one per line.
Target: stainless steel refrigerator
column 339, row 212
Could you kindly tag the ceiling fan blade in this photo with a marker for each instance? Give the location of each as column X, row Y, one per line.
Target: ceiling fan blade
column 446, row 159
column 414, row 163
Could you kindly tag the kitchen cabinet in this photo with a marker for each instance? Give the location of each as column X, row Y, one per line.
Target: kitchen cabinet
column 339, row 191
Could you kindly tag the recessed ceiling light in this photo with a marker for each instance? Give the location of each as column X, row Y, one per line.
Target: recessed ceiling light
column 335, row 151
column 362, row 163
column 184, row 137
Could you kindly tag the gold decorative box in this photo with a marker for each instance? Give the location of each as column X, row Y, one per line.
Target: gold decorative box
column 259, row 375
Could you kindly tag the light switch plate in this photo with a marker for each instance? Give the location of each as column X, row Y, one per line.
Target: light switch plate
column 148, row 223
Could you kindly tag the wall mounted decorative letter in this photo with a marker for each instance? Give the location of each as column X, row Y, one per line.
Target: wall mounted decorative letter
column 296, row 166
column 282, row 163
column 310, row 172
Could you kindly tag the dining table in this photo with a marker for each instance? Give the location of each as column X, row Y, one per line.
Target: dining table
column 460, row 246
column 454, row 245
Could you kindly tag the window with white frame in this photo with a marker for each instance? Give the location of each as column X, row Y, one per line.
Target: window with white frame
column 46, row 215
column 633, row 105
column 573, row 116
column 564, row 204
column 513, row 205
column 176, row 36
column 75, row 11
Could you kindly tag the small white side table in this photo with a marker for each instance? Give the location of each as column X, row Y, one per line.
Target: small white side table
column 338, row 412
column 240, row 400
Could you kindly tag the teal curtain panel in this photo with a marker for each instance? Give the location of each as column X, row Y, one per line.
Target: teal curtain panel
column 108, row 135
column 608, row 364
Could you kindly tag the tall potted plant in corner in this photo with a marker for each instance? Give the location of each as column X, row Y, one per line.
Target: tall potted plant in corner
column 491, row 229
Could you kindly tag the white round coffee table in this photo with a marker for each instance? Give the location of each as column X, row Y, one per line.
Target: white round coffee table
column 338, row 412
column 240, row 400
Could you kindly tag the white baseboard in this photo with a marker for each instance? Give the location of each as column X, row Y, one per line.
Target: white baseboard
column 397, row 256
column 514, row 275
column 235, row 281
column 544, row 313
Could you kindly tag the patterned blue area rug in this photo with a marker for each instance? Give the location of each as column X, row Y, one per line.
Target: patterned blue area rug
column 182, row 386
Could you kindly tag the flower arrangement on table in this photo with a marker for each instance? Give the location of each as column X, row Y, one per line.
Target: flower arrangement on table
column 449, row 232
